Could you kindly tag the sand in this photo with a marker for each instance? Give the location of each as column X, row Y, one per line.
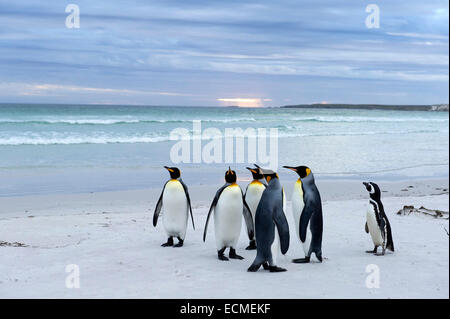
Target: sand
column 110, row 238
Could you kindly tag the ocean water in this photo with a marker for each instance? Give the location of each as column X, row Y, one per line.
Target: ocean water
column 89, row 148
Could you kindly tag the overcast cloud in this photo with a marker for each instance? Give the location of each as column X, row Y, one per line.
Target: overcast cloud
column 206, row 53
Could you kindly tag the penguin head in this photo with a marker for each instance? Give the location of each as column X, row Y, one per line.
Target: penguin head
column 267, row 173
column 373, row 189
column 302, row 171
column 256, row 173
column 174, row 172
column 230, row 176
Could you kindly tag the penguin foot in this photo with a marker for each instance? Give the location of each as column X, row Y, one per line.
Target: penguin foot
column 180, row 243
column 319, row 257
column 252, row 245
column 253, row 268
column 276, row 269
column 169, row 243
column 266, row 266
column 233, row 255
column 221, row 256
column 305, row 260
column 374, row 251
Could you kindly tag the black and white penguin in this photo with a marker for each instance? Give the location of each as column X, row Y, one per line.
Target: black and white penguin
column 377, row 223
column 307, row 211
column 229, row 205
column 176, row 205
column 253, row 195
column 271, row 226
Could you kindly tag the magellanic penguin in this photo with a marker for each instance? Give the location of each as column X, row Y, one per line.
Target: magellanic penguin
column 377, row 223
column 229, row 205
column 271, row 226
column 253, row 195
column 307, row 211
column 176, row 205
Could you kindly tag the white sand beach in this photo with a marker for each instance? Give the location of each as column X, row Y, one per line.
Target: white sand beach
column 111, row 238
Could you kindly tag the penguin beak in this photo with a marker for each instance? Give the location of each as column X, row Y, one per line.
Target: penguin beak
column 291, row 168
column 229, row 170
column 252, row 170
column 169, row 169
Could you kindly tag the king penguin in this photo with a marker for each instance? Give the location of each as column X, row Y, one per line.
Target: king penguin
column 176, row 205
column 229, row 205
column 271, row 226
column 253, row 195
column 307, row 211
column 377, row 223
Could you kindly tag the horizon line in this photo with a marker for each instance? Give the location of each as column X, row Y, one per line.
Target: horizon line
column 229, row 106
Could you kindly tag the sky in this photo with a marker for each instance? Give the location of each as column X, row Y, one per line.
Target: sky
column 233, row 52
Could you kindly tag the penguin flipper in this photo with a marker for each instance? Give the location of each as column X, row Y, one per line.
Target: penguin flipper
column 158, row 207
column 213, row 205
column 186, row 191
column 390, row 241
column 283, row 230
column 248, row 220
column 307, row 212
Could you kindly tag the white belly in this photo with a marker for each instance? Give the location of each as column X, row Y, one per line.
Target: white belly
column 228, row 217
column 374, row 229
column 175, row 209
column 297, row 206
column 275, row 248
column 253, row 196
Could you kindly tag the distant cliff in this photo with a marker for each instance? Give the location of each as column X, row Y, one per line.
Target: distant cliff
column 437, row 107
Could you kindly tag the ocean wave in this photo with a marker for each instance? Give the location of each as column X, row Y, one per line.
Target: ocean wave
column 132, row 121
column 116, row 121
column 80, row 140
column 354, row 119
column 55, row 138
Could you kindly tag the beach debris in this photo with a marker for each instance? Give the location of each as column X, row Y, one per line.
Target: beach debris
column 15, row 244
column 408, row 210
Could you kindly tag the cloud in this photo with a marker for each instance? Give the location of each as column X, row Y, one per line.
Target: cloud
column 189, row 52
column 44, row 89
column 419, row 35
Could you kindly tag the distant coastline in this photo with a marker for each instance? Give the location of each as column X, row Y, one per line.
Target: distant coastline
column 435, row 107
